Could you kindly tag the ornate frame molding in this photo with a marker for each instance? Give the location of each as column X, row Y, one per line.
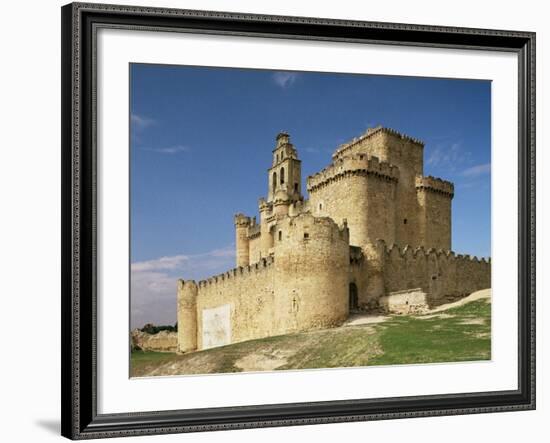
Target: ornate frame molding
column 79, row 391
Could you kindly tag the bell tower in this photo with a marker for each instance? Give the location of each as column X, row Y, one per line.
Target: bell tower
column 285, row 173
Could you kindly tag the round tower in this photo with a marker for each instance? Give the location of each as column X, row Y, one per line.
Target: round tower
column 242, row 242
column 312, row 270
column 281, row 202
column 374, row 268
column 187, row 315
column 266, row 239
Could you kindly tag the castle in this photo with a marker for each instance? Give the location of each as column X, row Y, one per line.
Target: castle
column 374, row 234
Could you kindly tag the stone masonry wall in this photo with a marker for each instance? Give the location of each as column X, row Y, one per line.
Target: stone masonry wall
column 442, row 275
column 434, row 199
column 312, row 264
column 422, row 219
column 255, row 249
column 303, row 286
column 360, row 190
column 163, row 341
column 249, row 291
column 405, row 153
column 297, row 267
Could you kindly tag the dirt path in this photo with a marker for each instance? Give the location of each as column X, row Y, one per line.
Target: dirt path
column 367, row 319
column 260, row 361
column 478, row 295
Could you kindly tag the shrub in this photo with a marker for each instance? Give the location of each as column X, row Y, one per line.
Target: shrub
column 150, row 328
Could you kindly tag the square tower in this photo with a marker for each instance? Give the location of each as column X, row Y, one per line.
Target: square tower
column 285, row 173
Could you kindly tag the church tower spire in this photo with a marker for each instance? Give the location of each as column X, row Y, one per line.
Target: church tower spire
column 285, row 174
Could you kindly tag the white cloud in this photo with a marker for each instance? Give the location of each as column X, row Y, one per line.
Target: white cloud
column 153, row 282
column 159, row 264
column 141, row 122
column 448, row 157
column 169, row 149
column 443, row 155
column 285, row 79
column 153, row 298
column 477, row 170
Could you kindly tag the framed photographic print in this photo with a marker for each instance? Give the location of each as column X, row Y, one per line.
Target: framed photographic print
column 273, row 221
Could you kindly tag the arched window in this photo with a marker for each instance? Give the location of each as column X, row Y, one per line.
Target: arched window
column 280, row 235
column 282, row 175
column 274, row 180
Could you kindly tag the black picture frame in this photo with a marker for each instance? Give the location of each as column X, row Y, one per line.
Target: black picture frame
column 79, row 179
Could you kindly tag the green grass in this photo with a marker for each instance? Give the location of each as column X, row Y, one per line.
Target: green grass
column 353, row 346
column 406, row 339
column 458, row 334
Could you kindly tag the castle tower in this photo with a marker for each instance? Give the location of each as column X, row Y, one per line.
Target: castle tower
column 311, row 263
column 360, row 190
column 187, row 315
column 281, row 203
column 266, row 238
column 286, row 170
column 242, row 242
column 434, row 201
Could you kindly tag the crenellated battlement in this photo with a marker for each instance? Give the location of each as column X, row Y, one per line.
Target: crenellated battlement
column 434, row 184
column 242, row 220
column 186, row 284
column 360, row 164
column 239, row 272
column 395, row 251
column 254, row 231
column 316, row 228
column 342, row 149
column 442, row 274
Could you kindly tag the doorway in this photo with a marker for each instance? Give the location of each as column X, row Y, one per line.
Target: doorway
column 353, row 298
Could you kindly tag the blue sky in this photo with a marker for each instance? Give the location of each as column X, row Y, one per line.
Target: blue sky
column 201, row 141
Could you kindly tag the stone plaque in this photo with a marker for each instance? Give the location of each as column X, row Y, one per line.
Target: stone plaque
column 216, row 326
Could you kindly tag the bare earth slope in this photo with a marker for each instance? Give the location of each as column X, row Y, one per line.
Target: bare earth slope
column 458, row 331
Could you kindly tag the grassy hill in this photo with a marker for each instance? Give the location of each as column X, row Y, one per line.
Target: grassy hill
column 460, row 332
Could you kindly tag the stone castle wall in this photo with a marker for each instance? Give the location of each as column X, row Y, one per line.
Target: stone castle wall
column 242, row 224
column 243, row 298
column 308, row 259
column 413, row 207
column 162, row 341
column 302, row 286
column 360, row 190
column 406, row 153
column 375, row 183
column 311, row 261
column 442, row 275
column 254, row 250
column 434, row 199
